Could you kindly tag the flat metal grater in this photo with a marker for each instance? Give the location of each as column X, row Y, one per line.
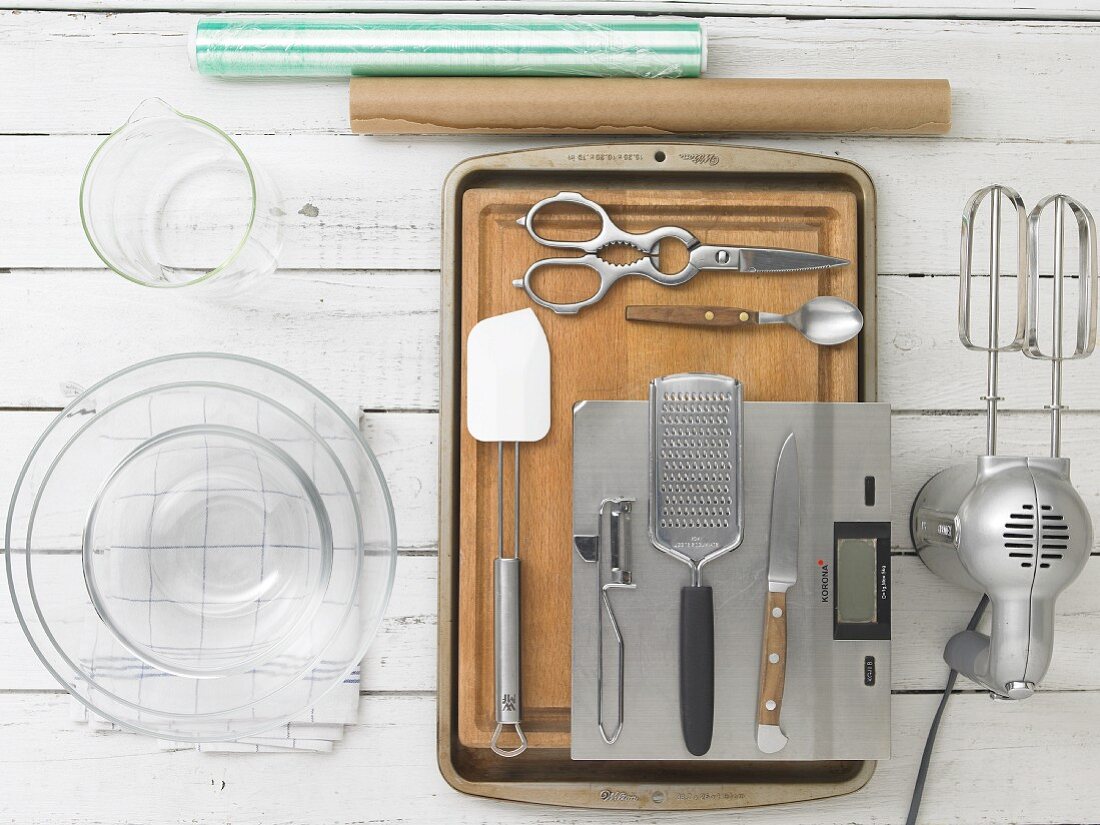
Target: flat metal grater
column 696, row 514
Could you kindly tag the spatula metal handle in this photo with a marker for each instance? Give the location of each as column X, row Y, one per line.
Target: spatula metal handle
column 697, row 668
column 506, row 649
column 702, row 316
column 506, row 639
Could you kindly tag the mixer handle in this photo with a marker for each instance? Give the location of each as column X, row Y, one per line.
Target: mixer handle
column 1015, row 656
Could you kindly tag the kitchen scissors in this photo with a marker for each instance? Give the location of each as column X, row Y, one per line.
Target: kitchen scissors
column 700, row 256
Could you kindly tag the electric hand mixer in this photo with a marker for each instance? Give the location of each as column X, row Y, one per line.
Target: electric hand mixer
column 1013, row 527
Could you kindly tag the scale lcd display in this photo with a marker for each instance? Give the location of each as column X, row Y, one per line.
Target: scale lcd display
column 856, row 580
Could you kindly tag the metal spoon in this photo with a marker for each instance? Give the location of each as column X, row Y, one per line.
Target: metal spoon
column 825, row 320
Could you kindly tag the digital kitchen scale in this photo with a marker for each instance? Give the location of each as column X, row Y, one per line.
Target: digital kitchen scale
column 836, row 702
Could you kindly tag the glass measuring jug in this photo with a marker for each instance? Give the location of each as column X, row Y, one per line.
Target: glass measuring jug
column 170, row 200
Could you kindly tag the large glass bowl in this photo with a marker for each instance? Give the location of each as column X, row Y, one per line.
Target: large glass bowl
column 200, row 546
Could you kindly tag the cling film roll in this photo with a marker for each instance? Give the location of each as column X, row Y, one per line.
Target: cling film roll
column 448, row 46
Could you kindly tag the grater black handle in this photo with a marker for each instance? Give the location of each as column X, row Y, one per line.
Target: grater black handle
column 697, row 668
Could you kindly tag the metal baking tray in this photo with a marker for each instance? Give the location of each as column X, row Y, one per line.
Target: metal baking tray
column 548, row 775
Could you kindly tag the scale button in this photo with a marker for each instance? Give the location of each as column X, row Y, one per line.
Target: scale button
column 869, row 671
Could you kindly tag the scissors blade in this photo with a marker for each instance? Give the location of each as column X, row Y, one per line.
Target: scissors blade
column 763, row 259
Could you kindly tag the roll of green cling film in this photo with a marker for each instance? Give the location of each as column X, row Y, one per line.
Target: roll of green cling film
column 469, row 46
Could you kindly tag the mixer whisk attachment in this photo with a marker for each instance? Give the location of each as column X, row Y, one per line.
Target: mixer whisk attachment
column 1086, row 300
column 993, row 345
column 1026, row 337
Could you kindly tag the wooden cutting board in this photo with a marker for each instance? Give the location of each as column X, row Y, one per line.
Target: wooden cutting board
column 597, row 354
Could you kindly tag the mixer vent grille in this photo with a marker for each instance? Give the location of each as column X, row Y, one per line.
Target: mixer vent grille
column 1022, row 531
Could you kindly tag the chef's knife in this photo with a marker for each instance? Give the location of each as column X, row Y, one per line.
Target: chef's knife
column 782, row 573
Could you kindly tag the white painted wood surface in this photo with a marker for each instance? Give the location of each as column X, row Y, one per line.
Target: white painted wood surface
column 355, row 311
column 982, row 9
column 385, row 773
column 357, row 202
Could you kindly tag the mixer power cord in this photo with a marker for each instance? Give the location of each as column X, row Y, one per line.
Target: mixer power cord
column 930, row 742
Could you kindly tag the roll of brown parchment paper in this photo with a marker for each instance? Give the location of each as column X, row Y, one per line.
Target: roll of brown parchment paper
column 491, row 105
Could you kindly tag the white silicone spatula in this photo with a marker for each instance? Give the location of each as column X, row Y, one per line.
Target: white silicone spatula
column 508, row 379
column 507, row 399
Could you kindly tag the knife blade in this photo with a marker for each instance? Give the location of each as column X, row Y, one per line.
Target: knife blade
column 783, row 537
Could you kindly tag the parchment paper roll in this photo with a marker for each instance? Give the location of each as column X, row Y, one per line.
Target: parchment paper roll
column 428, row 105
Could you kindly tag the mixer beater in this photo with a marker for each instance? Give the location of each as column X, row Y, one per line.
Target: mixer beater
column 1086, row 303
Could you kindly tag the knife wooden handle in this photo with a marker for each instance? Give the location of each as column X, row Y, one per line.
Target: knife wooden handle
column 692, row 315
column 773, row 673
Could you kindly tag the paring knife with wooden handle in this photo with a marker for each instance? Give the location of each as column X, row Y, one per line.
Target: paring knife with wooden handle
column 782, row 573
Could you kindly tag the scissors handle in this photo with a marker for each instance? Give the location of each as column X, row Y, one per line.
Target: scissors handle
column 608, row 275
column 608, row 233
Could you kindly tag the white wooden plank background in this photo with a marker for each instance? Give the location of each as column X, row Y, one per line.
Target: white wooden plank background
column 355, row 311
column 982, row 9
